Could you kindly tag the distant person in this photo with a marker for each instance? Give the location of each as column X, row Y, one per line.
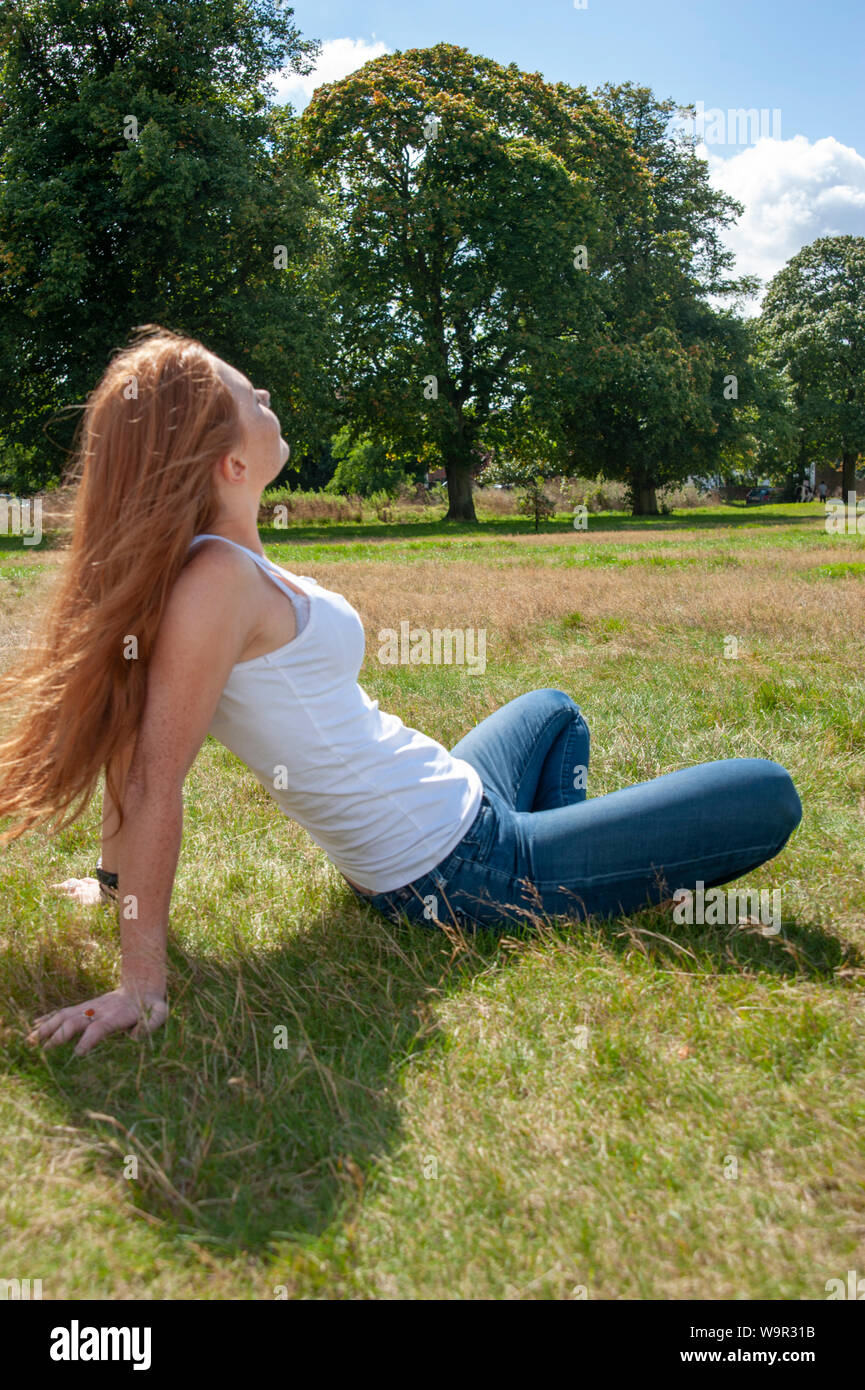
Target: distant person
column 166, row 546
column 823, row 491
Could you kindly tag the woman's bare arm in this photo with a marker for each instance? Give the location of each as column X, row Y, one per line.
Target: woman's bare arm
column 111, row 834
column 205, row 627
column 88, row 890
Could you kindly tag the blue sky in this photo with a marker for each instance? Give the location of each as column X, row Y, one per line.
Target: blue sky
column 803, row 64
column 808, row 59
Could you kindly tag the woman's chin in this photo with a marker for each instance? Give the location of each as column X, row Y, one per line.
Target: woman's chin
column 280, row 462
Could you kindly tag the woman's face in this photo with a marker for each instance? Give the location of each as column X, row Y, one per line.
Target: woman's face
column 261, row 447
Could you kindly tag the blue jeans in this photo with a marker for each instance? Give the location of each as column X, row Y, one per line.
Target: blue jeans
column 538, row 844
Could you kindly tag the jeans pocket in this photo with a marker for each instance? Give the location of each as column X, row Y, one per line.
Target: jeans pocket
column 477, row 843
column 417, row 900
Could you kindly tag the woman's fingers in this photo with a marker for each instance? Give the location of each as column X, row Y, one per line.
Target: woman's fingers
column 49, row 1024
column 96, row 1030
column 83, row 890
column 67, row 886
column 97, row 1018
column 153, row 1017
column 44, row 1026
column 73, row 1022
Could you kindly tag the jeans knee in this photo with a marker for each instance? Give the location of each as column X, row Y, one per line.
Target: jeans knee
column 558, row 699
column 578, row 721
column 786, row 804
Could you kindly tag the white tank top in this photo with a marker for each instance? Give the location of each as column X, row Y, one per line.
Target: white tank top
column 385, row 802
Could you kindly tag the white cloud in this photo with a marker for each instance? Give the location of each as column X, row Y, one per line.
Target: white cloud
column 337, row 59
column 793, row 192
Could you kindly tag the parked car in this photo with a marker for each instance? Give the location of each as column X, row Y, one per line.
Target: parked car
column 761, row 494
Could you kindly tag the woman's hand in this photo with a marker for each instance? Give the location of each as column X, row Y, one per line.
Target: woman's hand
column 82, row 890
column 143, row 1012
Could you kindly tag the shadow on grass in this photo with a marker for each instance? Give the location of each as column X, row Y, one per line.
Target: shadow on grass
column 704, row 519
column 341, row 532
column 260, row 1111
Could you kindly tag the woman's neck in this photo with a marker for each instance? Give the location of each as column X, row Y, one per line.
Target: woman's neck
column 233, row 531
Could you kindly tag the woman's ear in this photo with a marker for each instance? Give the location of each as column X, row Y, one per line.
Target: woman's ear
column 230, row 468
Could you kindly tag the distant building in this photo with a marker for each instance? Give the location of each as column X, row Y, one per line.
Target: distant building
column 833, row 479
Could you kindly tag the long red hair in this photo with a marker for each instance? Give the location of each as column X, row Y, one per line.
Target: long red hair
column 151, row 431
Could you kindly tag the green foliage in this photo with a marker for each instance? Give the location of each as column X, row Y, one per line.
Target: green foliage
column 381, row 504
column 456, row 248
column 22, row 470
column 533, row 501
column 813, row 324
column 100, row 231
column 365, row 465
column 680, row 248
column 529, row 477
column 431, row 309
column 646, row 399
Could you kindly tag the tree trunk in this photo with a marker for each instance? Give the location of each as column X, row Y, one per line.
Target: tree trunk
column 848, row 476
column 461, row 503
column 792, row 484
column 644, row 499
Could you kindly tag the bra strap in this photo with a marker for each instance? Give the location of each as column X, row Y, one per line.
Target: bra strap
column 259, row 559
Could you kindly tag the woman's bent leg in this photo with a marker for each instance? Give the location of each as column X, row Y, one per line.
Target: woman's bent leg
column 618, row 853
column 533, row 752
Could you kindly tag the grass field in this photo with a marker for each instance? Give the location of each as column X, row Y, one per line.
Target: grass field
column 630, row 1109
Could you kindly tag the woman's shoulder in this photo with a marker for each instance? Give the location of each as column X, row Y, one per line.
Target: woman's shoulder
column 213, row 556
column 218, row 572
column 214, row 546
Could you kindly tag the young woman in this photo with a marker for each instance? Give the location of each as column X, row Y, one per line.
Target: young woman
column 169, row 622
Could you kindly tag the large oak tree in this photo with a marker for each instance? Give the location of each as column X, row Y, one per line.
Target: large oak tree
column 813, row 322
column 462, row 192
column 144, row 176
column 665, row 388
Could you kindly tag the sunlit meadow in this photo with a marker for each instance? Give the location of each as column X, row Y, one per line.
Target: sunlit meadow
column 338, row 1107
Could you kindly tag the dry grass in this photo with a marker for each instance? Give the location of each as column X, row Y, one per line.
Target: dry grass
column 757, row 598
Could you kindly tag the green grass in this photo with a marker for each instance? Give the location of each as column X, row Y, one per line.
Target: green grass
column 841, row 570
column 629, row 1108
